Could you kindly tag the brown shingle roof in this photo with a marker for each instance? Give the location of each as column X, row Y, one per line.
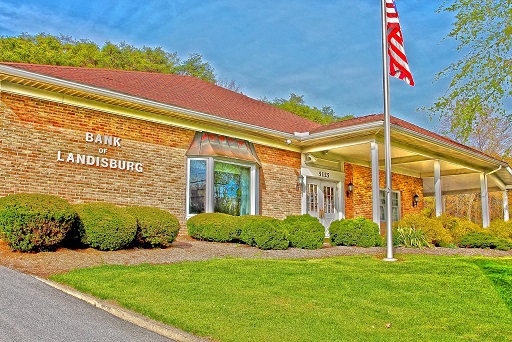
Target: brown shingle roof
column 180, row 91
column 198, row 95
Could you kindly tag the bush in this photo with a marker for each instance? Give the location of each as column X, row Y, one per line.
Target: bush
column 409, row 237
column 263, row 232
column 213, row 227
column 433, row 229
column 155, row 227
column 245, row 224
column 305, row 231
column 105, row 226
column 35, row 222
column 484, row 240
column 501, row 229
column 457, row 227
column 355, row 232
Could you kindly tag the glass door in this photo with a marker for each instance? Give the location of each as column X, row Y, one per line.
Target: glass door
column 321, row 202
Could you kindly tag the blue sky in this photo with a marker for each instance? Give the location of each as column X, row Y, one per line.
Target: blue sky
column 329, row 50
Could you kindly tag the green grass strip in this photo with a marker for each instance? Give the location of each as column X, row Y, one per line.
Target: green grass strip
column 499, row 271
column 423, row 298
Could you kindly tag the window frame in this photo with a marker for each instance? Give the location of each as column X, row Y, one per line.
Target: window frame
column 382, row 205
column 209, row 196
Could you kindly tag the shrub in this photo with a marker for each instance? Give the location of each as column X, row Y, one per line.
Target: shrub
column 105, row 226
column 502, row 229
column 263, row 232
column 484, row 240
column 355, row 232
column 305, row 231
column 433, row 229
column 155, row 227
column 457, row 227
column 213, row 227
column 409, row 237
column 35, row 222
column 245, row 224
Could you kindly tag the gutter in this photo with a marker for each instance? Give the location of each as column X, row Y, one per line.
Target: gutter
column 338, row 131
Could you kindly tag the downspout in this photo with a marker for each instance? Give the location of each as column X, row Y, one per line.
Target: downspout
column 490, row 173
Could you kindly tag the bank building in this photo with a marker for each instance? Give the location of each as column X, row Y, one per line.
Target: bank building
column 188, row 146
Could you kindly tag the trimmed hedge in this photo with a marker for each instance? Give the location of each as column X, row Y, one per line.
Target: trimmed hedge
column 105, row 226
column 245, row 223
column 263, row 232
column 155, row 227
column 355, row 232
column 213, row 227
column 35, row 222
column 305, row 231
column 484, row 240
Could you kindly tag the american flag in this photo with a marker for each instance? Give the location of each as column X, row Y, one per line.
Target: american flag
column 398, row 65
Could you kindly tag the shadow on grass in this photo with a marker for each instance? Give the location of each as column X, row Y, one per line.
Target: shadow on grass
column 500, row 274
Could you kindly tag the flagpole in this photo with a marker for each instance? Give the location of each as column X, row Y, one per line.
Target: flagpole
column 387, row 138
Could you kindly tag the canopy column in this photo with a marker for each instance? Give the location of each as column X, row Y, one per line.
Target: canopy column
column 437, row 188
column 484, row 194
column 375, row 182
column 505, row 206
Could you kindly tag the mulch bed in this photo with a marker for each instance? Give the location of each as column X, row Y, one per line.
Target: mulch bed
column 185, row 248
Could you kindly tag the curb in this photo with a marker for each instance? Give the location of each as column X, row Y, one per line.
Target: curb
column 127, row 315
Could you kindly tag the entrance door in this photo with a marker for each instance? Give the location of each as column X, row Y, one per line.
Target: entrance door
column 321, row 202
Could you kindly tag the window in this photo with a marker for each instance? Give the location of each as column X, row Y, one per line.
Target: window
column 395, row 205
column 329, row 199
column 231, row 189
column 312, row 197
column 217, row 185
column 197, row 186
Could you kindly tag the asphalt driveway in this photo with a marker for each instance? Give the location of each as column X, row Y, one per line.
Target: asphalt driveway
column 31, row 310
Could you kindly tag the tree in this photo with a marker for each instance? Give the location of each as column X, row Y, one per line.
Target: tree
column 296, row 105
column 481, row 80
column 230, row 84
column 491, row 134
column 64, row 50
column 194, row 66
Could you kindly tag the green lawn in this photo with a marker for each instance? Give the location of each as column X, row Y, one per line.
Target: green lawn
column 425, row 298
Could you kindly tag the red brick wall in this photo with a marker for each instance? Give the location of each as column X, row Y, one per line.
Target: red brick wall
column 32, row 132
column 360, row 203
column 278, row 177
